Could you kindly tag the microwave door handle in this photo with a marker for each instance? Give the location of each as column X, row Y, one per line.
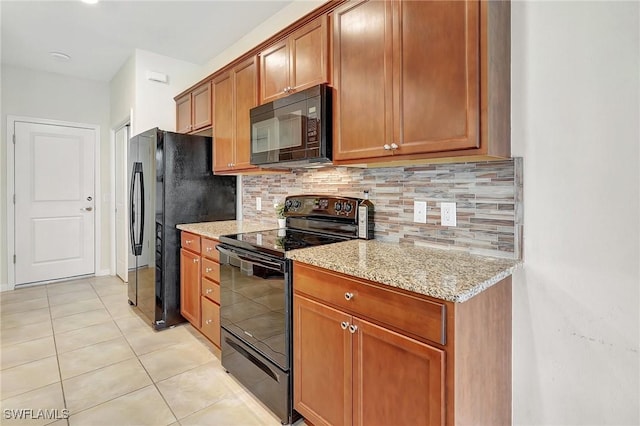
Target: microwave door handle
column 260, row 262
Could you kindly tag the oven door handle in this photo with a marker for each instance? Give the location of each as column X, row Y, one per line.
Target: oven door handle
column 251, row 259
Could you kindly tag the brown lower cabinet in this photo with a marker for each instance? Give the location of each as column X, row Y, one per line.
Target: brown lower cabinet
column 354, row 362
column 200, row 285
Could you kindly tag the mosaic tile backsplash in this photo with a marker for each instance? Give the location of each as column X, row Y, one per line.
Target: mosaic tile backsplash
column 488, row 197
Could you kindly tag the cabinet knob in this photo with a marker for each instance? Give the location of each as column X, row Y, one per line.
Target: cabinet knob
column 394, row 146
column 208, row 290
column 208, row 270
column 208, row 321
column 195, row 260
column 353, row 328
column 348, row 296
column 387, row 147
column 344, row 325
column 188, row 241
column 208, row 249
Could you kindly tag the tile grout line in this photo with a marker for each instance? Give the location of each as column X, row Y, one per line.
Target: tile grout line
column 55, row 347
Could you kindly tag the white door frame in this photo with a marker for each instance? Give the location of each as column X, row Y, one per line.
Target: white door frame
column 112, row 204
column 10, row 163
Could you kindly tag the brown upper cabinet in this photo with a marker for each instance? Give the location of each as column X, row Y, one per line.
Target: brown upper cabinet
column 422, row 79
column 297, row 62
column 235, row 92
column 193, row 110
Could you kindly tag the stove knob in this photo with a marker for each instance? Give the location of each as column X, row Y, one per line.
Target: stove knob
column 337, row 206
column 287, row 204
column 348, row 207
column 296, row 204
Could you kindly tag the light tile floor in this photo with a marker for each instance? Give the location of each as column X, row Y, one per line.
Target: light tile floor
column 78, row 346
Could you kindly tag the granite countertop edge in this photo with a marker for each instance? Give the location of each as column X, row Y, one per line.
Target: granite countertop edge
column 450, row 275
column 402, row 266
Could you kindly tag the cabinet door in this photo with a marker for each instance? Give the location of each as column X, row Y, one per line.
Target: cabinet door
column 363, row 79
column 201, row 103
column 322, row 363
column 223, row 146
column 308, row 55
column 211, row 320
column 274, row 71
column 245, row 97
column 396, row 380
column 190, row 286
column 436, row 72
column 183, row 114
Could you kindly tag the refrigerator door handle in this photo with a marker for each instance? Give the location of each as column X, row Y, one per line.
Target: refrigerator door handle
column 136, row 245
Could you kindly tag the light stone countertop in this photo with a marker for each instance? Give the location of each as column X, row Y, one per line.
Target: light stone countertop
column 450, row 275
column 216, row 229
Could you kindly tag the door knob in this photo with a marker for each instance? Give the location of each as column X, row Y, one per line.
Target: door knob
column 87, row 209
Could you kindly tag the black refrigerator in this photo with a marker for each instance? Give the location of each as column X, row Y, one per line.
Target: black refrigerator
column 170, row 182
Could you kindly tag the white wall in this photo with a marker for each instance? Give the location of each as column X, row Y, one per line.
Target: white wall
column 575, row 118
column 122, row 93
column 154, row 104
column 39, row 94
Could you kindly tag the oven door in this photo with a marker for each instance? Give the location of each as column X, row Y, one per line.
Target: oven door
column 279, row 134
column 255, row 302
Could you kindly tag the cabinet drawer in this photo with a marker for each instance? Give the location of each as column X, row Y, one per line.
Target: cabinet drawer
column 211, row 290
column 190, row 242
column 404, row 312
column 211, row 270
column 210, row 320
column 209, row 249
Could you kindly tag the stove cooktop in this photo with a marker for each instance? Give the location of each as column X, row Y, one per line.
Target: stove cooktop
column 278, row 241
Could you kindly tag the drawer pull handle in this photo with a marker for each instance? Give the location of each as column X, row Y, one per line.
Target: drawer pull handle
column 195, row 260
column 188, row 241
column 207, row 270
column 209, row 248
column 208, row 321
column 344, row 325
column 208, row 290
column 348, row 296
column 353, row 328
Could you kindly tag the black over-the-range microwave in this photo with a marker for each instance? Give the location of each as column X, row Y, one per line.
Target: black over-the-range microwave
column 294, row 131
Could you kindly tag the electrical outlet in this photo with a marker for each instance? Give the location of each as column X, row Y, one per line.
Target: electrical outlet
column 448, row 214
column 258, row 203
column 420, row 211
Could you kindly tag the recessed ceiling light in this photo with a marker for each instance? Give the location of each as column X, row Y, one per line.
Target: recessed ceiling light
column 90, row 1
column 60, row 56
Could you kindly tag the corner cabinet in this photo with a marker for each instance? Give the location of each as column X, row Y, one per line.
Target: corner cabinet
column 441, row 73
column 369, row 354
column 295, row 63
column 193, row 110
column 200, row 285
column 235, row 92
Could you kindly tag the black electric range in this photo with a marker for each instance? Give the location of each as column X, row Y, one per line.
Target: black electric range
column 256, row 291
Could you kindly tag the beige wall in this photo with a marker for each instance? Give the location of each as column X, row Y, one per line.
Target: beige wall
column 575, row 109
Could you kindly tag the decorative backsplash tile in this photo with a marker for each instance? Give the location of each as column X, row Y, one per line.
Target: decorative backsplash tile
column 488, row 197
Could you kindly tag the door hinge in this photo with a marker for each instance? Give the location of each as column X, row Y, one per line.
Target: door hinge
column 14, row 198
column 14, row 138
column 14, row 258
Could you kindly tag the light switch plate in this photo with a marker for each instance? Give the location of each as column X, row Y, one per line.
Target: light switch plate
column 448, row 214
column 420, row 211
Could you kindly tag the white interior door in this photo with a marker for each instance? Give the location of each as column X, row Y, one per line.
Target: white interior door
column 54, row 205
column 124, row 258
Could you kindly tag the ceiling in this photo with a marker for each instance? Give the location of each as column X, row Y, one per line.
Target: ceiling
column 101, row 37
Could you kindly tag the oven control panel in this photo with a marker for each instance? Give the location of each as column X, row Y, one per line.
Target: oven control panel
column 321, row 205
